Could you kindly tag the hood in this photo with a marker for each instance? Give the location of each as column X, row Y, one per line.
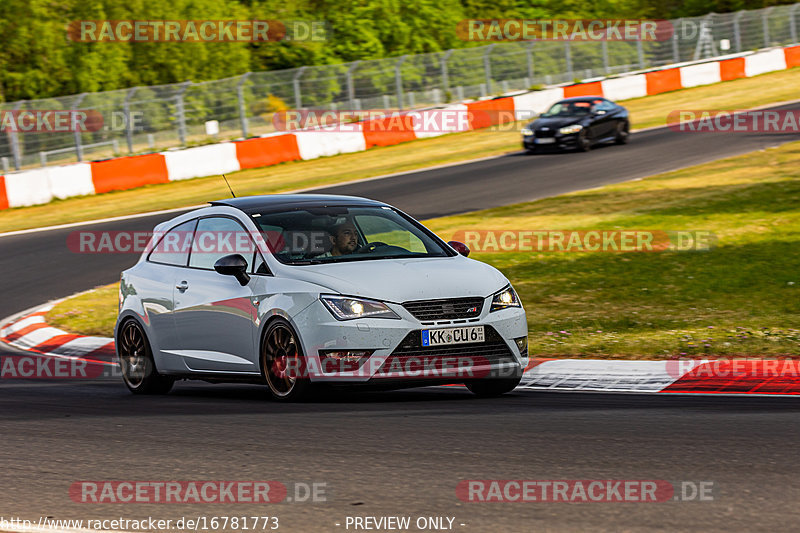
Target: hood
column 556, row 122
column 401, row 280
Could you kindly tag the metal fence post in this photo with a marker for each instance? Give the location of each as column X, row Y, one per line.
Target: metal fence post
column 242, row 106
column 126, row 108
column 77, row 132
column 604, row 46
column 445, row 73
column 765, row 25
column 793, row 22
column 181, row 112
column 676, row 52
column 737, row 30
column 487, row 68
column 398, row 80
column 568, row 56
column 298, row 97
column 529, row 59
column 639, row 52
column 351, row 90
column 13, row 138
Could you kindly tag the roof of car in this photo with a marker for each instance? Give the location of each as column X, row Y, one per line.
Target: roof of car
column 583, row 98
column 273, row 201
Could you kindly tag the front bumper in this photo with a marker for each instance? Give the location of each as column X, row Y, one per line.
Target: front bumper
column 397, row 353
column 560, row 142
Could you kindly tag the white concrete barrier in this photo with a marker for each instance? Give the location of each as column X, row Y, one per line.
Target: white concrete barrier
column 530, row 104
column 762, row 62
column 327, row 141
column 208, row 160
column 29, row 187
column 625, row 87
column 70, row 180
column 435, row 122
column 702, row 74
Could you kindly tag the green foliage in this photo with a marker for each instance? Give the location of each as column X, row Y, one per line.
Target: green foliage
column 38, row 61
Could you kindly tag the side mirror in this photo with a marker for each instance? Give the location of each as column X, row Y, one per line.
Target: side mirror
column 599, row 112
column 459, row 247
column 233, row 265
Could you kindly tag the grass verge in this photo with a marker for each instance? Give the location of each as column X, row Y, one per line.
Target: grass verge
column 740, row 298
column 645, row 112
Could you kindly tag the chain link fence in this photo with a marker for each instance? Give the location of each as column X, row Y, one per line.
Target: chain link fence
column 144, row 119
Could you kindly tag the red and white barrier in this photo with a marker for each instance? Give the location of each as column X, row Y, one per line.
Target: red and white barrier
column 38, row 186
column 30, row 332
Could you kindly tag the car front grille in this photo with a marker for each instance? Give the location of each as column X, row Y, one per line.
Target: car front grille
column 411, row 356
column 447, row 309
column 544, row 134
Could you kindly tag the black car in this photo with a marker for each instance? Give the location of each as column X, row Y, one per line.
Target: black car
column 577, row 124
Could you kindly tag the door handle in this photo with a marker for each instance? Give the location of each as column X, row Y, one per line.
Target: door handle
column 182, row 286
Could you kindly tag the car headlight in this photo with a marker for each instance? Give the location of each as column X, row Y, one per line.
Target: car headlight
column 527, row 131
column 344, row 308
column 505, row 299
column 566, row 130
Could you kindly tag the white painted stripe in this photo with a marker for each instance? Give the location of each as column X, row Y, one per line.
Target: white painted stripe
column 606, row 375
column 83, row 345
column 18, row 325
column 37, row 337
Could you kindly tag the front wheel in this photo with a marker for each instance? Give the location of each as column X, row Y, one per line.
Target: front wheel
column 622, row 133
column 490, row 388
column 283, row 364
column 136, row 362
column 584, row 143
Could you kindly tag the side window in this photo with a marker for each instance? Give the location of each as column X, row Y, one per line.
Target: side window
column 173, row 248
column 217, row 237
column 605, row 105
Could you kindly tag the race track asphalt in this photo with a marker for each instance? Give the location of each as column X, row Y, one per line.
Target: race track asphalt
column 400, row 453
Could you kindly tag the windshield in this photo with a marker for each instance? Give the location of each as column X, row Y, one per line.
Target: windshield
column 569, row 109
column 334, row 234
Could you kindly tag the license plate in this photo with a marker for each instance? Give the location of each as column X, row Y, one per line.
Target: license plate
column 439, row 337
column 545, row 140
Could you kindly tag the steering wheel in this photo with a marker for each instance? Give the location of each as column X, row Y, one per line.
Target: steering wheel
column 370, row 247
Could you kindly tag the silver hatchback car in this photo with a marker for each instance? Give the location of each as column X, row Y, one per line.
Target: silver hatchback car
column 297, row 291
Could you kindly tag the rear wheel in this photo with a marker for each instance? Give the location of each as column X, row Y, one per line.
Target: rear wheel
column 136, row 362
column 489, row 388
column 283, row 364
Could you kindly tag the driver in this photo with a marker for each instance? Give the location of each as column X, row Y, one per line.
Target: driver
column 344, row 240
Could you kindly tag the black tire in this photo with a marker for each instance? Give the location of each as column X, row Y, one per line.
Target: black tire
column 139, row 372
column 283, row 363
column 583, row 142
column 623, row 133
column 493, row 387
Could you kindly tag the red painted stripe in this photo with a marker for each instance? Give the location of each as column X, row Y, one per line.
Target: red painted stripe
column 56, row 342
column 3, row 195
column 106, row 353
column 741, row 377
column 24, row 331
